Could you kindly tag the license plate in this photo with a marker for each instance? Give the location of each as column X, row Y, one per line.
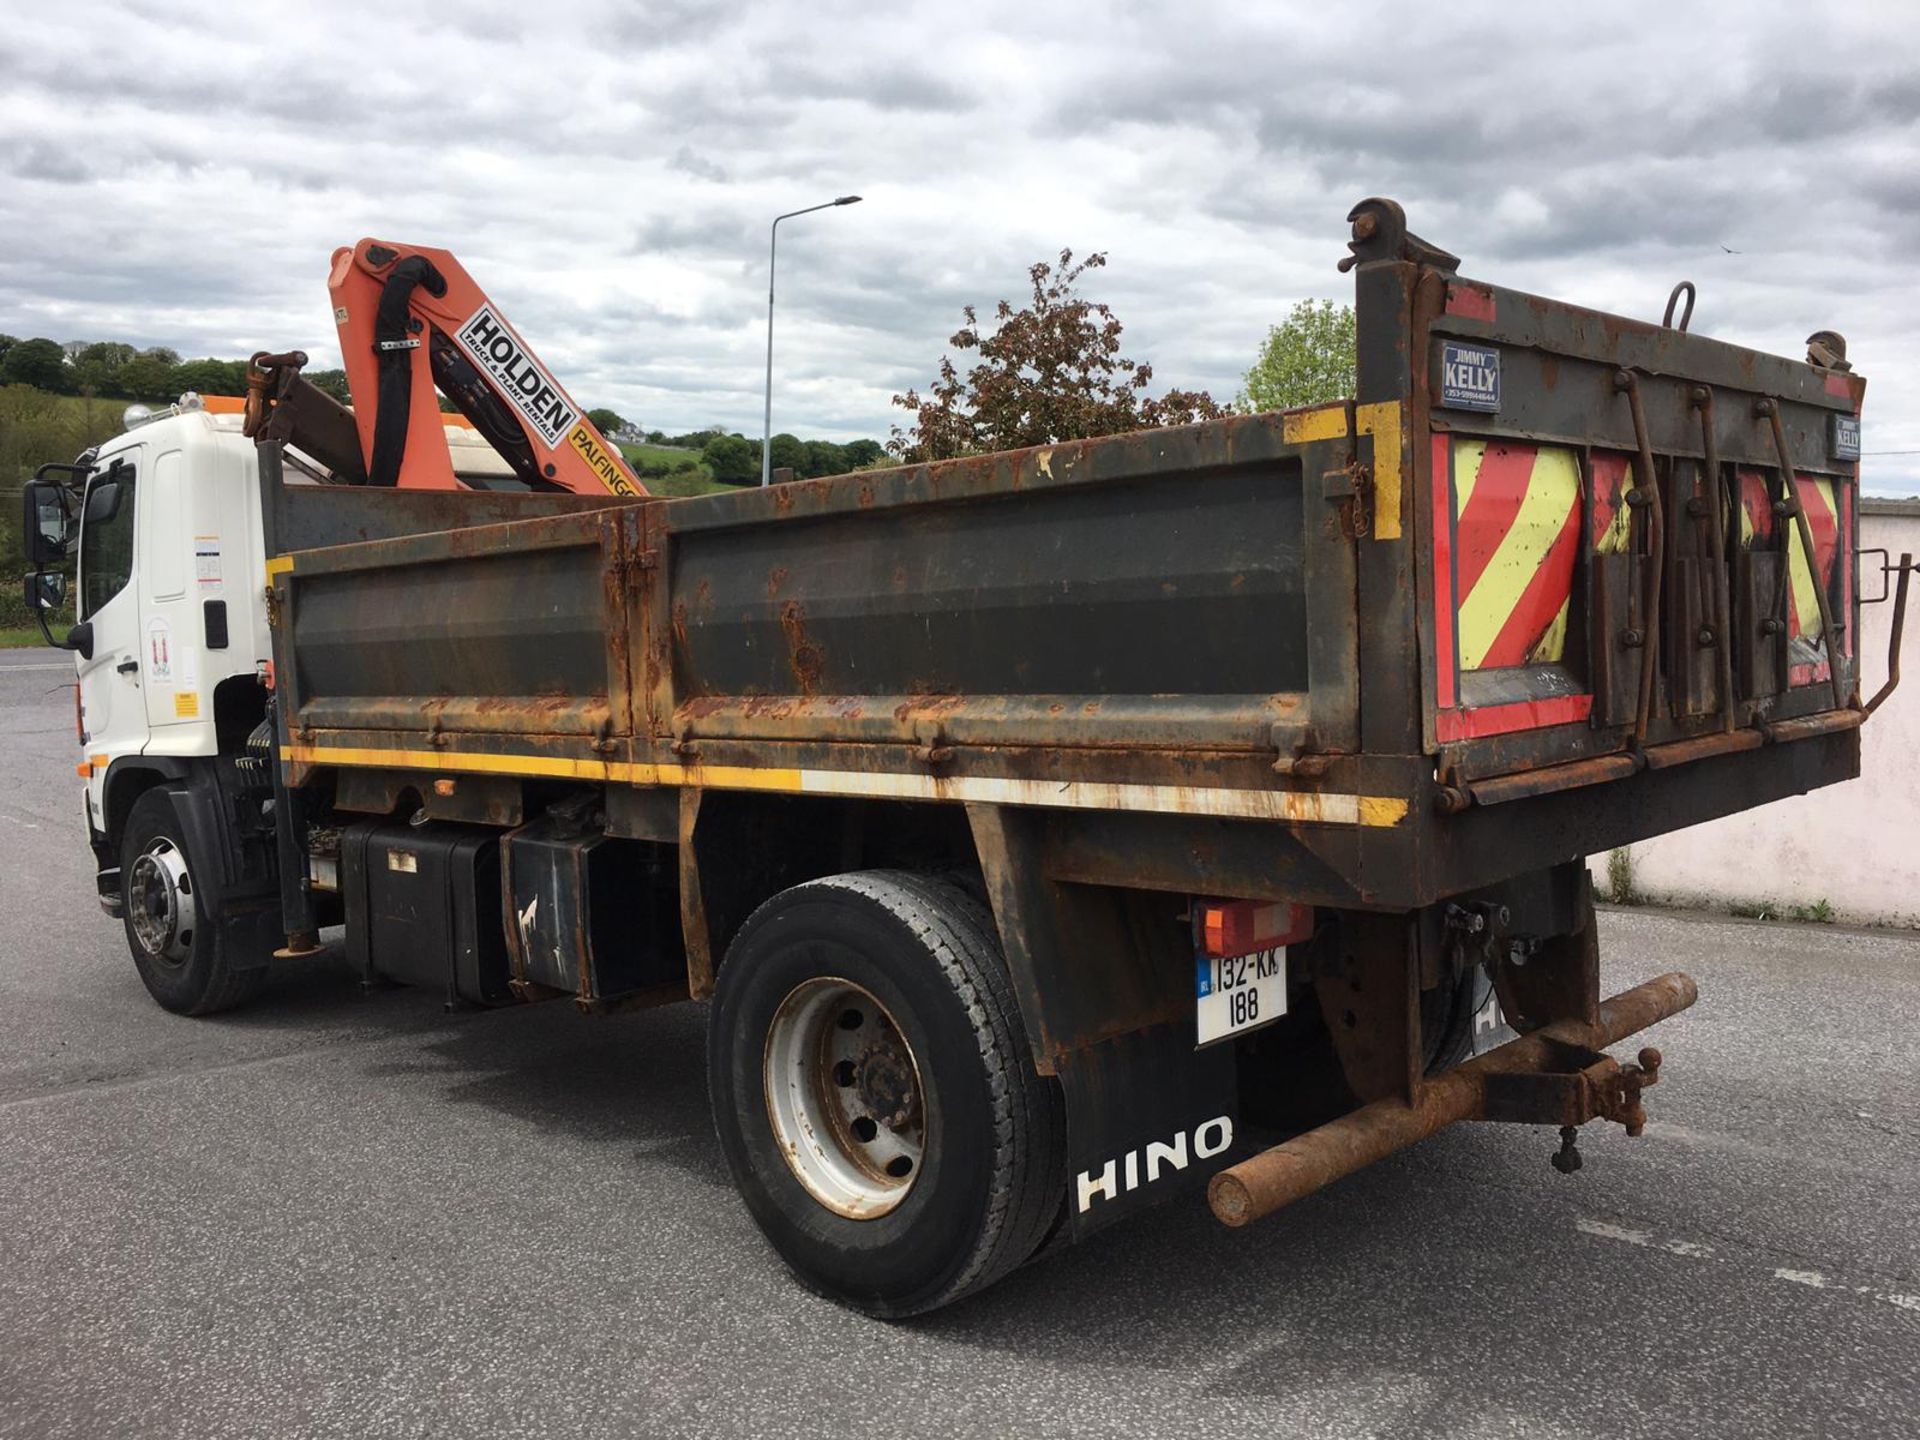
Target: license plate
column 1236, row 995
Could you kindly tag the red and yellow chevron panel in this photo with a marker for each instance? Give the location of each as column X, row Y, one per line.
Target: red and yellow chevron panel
column 1824, row 503
column 1612, row 521
column 1503, row 574
column 1516, row 536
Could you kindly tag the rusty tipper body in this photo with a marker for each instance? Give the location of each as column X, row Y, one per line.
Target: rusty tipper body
column 1057, row 829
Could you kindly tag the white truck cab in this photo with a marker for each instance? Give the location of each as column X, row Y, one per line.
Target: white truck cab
column 170, row 594
column 174, row 661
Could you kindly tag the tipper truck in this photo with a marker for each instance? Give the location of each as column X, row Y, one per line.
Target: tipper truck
column 1049, row 833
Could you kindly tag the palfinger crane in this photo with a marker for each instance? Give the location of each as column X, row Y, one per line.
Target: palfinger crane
column 412, row 321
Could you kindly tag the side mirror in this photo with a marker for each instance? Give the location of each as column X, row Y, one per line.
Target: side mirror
column 45, row 593
column 80, row 638
column 46, row 523
column 46, row 590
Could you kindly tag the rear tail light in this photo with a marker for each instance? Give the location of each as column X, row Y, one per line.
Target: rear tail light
column 1223, row 929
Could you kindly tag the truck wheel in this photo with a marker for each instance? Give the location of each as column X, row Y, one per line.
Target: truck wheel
column 171, row 918
column 875, row 1096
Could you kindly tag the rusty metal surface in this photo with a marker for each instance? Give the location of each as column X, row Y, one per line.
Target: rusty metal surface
column 1262, row 1184
column 1645, row 498
column 981, row 608
column 1796, row 507
column 312, row 517
column 1894, row 634
column 1197, row 609
column 1369, row 992
column 1087, row 965
column 1718, row 499
column 1555, row 980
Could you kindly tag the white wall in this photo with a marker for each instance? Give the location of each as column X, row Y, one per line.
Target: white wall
column 1857, row 845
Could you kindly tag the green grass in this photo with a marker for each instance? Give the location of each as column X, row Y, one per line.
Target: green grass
column 18, row 639
column 684, row 482
column 667, row 455
column 676, row 472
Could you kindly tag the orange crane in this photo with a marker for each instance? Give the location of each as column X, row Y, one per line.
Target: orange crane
column 412, row 321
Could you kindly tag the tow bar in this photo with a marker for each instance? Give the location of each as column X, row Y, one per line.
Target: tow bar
column 1554, row 1076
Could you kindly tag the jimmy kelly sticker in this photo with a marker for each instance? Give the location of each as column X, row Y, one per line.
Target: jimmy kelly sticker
column 1846, row 437
column 532, row 391
column 1469, row 377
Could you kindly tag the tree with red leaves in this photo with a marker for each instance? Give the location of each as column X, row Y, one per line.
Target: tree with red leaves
column 1052, row 371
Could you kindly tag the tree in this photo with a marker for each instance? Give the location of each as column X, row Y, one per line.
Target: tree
column 859, row 454
column 824, row 458
column 150, row 376
column 98, row 366
column 1049, row 372
column 733, row 459
column 787, row 453
column 212, row 377
column 606, row 421
column 38, row 362
column 1307, row 359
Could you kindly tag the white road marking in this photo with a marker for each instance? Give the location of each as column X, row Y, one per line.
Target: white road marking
column 1697, row 1250
column 6, row 669
column 1691, row 1249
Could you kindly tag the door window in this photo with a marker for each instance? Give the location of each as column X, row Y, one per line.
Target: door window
column 106, row 538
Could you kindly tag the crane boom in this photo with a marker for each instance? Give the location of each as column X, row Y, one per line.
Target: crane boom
column 411, row 321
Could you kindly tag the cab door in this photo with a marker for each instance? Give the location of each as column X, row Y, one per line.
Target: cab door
column 170, row 638
column 112, row 709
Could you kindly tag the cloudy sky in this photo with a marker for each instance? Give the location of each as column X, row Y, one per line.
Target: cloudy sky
column 180, row 175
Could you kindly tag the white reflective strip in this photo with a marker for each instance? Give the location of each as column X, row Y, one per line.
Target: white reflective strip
column 1285, row 805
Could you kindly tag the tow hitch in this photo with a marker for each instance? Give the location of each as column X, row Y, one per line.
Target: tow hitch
column 1553, row 1076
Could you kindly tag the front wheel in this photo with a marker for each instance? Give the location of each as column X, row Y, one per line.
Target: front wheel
column 171, row 918
column 875, row 1096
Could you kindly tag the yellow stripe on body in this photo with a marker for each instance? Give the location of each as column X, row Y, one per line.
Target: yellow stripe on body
column 1382, row 421
column 1329, row 422
column 1290, row 806
column 278, row 565
column 1553, row 488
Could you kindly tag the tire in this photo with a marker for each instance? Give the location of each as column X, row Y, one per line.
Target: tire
column 964, row 1175
column 171, row 919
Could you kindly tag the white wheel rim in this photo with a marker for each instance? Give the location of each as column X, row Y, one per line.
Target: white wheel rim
column 160, row 901
column 843, row 1094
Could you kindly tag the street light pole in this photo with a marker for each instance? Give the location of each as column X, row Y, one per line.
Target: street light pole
column 773, row 242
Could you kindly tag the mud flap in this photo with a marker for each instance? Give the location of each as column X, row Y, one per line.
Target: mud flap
column 1149, row 1117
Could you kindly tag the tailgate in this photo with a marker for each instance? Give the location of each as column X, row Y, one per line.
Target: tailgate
column 1630, row 537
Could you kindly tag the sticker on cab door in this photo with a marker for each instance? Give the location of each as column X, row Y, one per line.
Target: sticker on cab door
column 1469, row 377
column 160, row 651
column 206, row 562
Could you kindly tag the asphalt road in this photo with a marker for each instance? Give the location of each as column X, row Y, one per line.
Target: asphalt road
column 335, row 1214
